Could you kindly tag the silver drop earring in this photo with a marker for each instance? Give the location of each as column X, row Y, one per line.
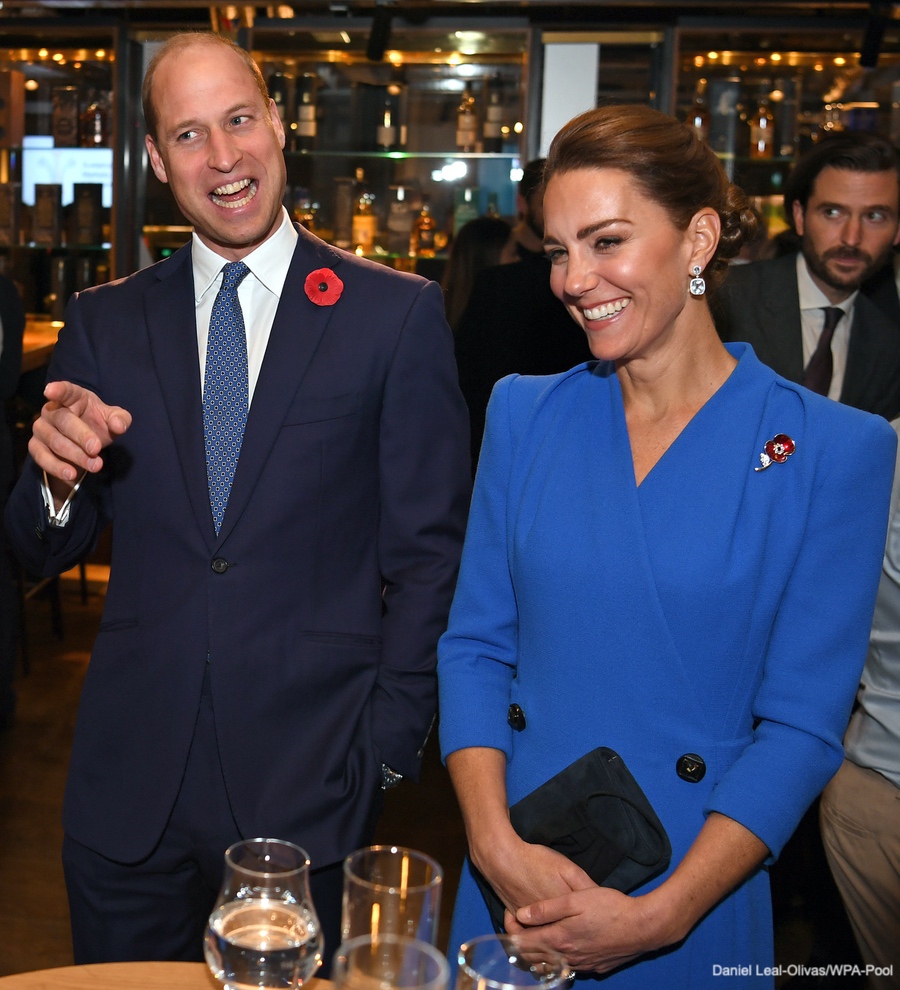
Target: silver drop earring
column 698, row 284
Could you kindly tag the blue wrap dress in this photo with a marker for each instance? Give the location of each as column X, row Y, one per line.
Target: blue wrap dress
column 714, row 609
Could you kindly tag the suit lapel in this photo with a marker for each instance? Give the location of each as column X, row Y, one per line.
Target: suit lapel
column 296, row 331
column 173, row 343
column 784, row 329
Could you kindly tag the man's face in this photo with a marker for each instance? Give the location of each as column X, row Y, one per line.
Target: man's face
column 848, row 227
column 219, row 147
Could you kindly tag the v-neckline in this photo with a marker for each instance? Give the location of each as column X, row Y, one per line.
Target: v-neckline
column 677, row 439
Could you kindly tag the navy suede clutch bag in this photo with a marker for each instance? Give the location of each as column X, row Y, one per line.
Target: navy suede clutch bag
column 595, row 813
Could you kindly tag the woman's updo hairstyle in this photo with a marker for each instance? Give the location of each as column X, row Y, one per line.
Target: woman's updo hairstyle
column 673, row 166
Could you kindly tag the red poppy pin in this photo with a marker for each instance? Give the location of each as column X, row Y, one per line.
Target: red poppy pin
column 323, row 287
column 776, row 451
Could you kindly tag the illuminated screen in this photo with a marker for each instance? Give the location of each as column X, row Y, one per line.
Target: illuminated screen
column 66, row 166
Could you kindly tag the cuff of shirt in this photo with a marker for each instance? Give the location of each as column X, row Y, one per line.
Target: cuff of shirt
column 58, row 517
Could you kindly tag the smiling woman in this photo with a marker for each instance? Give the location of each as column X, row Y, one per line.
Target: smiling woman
column 600, row 531
column 214, row 137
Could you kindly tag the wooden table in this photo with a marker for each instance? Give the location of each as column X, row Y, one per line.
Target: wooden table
column 125, row 976
column 38, row 342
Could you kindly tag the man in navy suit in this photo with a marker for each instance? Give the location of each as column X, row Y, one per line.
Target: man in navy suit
column 267, row 673
column 843, row 200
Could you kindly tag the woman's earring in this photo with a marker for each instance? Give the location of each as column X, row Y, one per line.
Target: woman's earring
column 698, row 284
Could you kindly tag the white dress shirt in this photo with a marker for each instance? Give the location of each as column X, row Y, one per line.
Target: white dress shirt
column 259, row 294
column 812, row 320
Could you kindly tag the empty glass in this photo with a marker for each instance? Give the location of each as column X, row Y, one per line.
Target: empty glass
column 389, row 962
column 263, row 930
column 390, row 890
column 494, row 962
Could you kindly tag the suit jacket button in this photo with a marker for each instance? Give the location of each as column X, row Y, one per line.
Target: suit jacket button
column 691, row 768
column 220, row 565
column 516, row 718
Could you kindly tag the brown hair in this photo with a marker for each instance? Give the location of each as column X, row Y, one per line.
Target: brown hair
column 667, row 159
column 181, row 42
column 478, row 245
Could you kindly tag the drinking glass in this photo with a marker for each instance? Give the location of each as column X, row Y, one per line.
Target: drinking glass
column 263, row 930
column 495, row 962
column 389, row 962
column 390, row 890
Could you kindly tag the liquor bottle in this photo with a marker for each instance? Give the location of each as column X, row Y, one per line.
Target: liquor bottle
column 762, row 129
column 698, row 117
column 467, row 122
column 94, row 129
column 365, row 223
column 493, row 208
column 280, row 91
column 493, row 115
column 421, row 243
column 399, row 221
column 465, row 207
column 386, row 131
column 307, row 91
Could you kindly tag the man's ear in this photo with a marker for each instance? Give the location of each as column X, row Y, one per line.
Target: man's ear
column 156, row 162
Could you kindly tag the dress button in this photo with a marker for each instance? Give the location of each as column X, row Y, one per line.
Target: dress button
column 220, row 565
column 691, row 768
column 516, row 718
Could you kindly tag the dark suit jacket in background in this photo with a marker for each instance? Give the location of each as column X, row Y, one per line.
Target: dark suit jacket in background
column 760, row 303
column 13, row 319
column 513, row 324
column 881, row 288
column 13, row 316
column 320, row 602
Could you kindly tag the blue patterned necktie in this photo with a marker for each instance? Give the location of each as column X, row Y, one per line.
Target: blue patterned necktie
column 226, row 389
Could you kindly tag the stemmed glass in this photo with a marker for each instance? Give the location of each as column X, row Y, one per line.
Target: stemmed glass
column 391, row 890
column 389, row 962
column 495, row 962
column 263, row 930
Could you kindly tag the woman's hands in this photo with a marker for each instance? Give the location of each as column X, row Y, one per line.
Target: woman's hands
column 598, row 928
column 522, row 873
column 595, row 929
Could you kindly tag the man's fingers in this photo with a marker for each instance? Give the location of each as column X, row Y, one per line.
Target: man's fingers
column 65, row 393
column 118, row 420
column 65, row 438
column 56, row 467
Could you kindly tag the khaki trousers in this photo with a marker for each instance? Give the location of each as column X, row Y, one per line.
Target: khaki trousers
column 860, row 821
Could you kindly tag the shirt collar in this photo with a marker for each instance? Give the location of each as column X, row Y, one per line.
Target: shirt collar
column 269, row 263
column 812, row 297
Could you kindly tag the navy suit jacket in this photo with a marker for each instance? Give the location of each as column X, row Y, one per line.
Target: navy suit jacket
column 760, row 303
column 320, row 602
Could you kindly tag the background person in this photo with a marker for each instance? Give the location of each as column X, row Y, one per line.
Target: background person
column 860, row 807
column 484, row 242
column 265, row 663
column 616, row 507
column 513, row 322
column 843, row 200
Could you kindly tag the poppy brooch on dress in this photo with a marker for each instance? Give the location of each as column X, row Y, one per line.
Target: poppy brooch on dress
column 776, row 451
column 323, row 287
